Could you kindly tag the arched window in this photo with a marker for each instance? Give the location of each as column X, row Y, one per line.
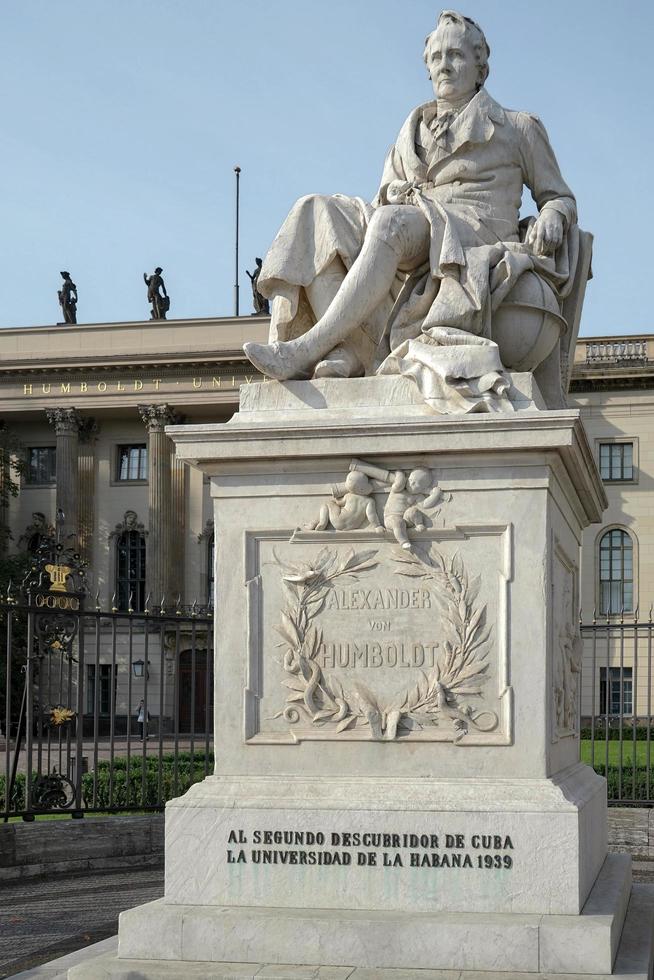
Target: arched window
column 616, row 572
column 130, row 570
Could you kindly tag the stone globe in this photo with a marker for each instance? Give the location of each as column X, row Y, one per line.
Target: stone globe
column 528, row 324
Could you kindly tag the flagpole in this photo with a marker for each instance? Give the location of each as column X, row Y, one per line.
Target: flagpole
column 237, row 171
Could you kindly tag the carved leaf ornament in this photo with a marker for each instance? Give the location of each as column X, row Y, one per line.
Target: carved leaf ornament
column 439, row 696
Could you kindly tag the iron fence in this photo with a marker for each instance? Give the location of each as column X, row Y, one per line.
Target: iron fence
column 616, row 706
column 103, row 709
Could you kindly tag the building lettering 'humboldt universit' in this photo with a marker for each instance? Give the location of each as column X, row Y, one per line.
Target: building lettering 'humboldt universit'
column 90, row 402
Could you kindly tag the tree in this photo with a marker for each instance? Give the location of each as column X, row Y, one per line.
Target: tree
column 13, row 568
column 12, row 467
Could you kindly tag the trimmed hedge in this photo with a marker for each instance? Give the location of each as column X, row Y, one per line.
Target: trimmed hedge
column 634, row 782
column 614, row 733
column 100, row 790
column 18, row 795
column 133, row 795
column 151, row 788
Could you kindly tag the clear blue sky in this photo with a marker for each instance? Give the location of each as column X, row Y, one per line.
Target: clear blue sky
column 122, row 121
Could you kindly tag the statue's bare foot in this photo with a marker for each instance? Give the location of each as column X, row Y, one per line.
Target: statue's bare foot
column 278, row 360
column 339, row 363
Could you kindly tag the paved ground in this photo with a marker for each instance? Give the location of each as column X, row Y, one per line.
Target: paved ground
column 43, row 919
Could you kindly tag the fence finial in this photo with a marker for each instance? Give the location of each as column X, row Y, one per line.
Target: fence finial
column 98, row 607
column 114, row 607
column 178, row 605
column 147, row 605
column 162, row 606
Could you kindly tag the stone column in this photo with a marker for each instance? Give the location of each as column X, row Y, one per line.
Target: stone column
column 159, row 558
column 179, row 471
column 86, row 487
column 67, row 423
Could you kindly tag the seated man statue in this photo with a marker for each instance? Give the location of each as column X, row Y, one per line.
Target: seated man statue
column 409, row 284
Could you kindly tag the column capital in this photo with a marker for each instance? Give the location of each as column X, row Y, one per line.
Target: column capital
column 156, row 416
column 64, row 420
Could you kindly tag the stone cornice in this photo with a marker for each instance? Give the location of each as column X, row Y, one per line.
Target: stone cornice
column 211, row 341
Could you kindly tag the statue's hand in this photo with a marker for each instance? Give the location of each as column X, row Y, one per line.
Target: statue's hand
column 399, row 191
column 546, row 233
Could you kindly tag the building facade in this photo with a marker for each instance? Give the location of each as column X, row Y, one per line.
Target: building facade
column 90, row 403
column 613, row 386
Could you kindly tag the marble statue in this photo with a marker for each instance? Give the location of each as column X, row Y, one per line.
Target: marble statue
column 157, row 296
column 68, row 298
column 260, row 303
column 437, row 279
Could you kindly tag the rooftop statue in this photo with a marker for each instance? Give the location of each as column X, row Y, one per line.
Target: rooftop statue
column 68, row 298
column 158, row 298
column 259, row 302
column 437, row 279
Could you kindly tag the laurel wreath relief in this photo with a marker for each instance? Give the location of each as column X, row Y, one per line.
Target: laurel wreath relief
column 440, row 695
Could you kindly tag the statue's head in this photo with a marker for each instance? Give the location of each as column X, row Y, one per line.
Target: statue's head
column 420, row 481
column 65, row 275
column 158, row 271
column 356, row 482
column 456, row 55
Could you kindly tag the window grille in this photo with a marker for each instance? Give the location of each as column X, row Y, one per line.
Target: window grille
column 41, row 464
column 616, row 578
column 616, row 461
column 130, row 571
column 617, row 697
column 132, row 462
column 104, row 694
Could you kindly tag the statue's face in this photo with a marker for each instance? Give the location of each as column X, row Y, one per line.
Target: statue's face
column 452, row 64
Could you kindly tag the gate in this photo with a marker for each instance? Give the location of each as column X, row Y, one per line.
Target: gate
column 91, row 697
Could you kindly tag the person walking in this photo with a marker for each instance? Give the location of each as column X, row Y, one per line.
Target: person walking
column 142, row 717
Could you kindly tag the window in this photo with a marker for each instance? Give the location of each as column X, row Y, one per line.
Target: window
column 104, row 694
column 41, row 464
column 616, row 460
column 211, row 544
column 132, row 462
column 616, row 578
column 617, row 696
column 130, row 571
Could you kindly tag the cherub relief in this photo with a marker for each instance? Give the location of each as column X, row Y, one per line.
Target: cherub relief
column 413, row 498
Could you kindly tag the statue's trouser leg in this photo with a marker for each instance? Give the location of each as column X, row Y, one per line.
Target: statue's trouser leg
column 322, row 291
column 398, row 237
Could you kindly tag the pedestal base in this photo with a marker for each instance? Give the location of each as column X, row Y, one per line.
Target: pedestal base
column 217, row 944
column 527, row 846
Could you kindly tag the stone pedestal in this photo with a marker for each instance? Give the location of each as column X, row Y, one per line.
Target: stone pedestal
column 397, row 783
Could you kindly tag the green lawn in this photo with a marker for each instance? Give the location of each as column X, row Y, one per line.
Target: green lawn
column 614, row 752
